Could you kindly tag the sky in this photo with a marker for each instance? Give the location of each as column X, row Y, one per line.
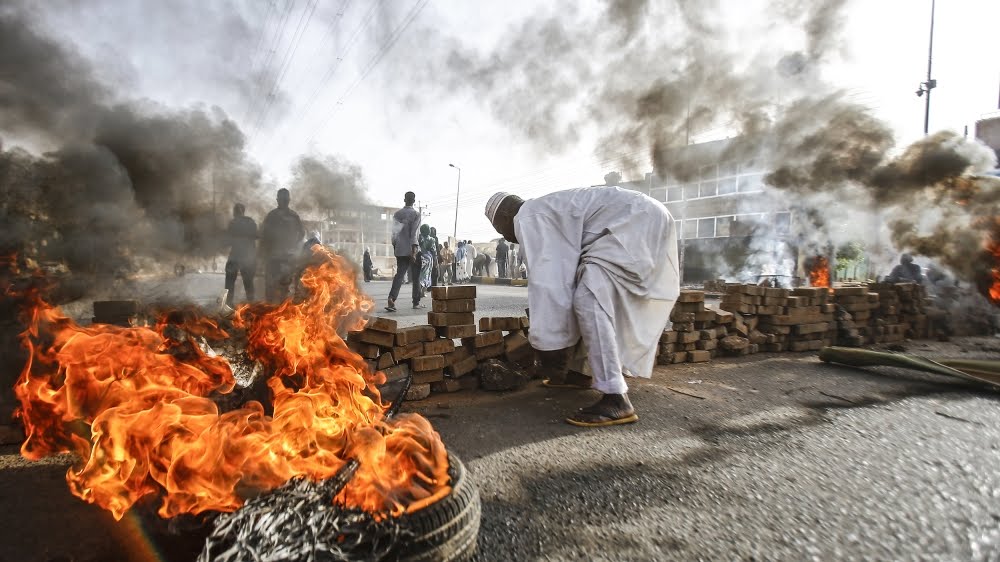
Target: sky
column 382, row 84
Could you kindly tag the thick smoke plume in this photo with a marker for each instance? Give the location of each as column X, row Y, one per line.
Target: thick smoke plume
column 321, row 184
column 121, row 182
column 644, row 78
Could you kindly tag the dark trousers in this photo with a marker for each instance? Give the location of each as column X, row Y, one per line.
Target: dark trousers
column 454, row 271
column 368, row 273
column 501, row 268
column 278, row 279
column 247, row 270
column 406, row 264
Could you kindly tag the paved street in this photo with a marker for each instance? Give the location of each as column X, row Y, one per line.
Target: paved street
column 772, row 456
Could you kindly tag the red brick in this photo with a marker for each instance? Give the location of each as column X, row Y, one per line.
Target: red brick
column 461, row 305
column 385, row 361
column 426, row 362
column 402, row 353
column 450, row 318
column 383, row 339
column 426, row 377
column 439, row 347
column 453, row 292
column 506, row 323
column 380, row 324
column 489, row 351
column 455, row 332
column 462, row 367
column 413, row 334
column 487, row 339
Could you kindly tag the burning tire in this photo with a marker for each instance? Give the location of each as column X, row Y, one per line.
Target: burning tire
column 446, row 530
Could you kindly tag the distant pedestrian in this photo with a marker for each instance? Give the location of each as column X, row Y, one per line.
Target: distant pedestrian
column 280, row 239
column 242, row 239
column 436, row 258
column 470, row 258
column 405, row 228
column 425, row 279
column 459, row 265
column 447, row 261
column 502, row 258
column 366, row 265
column 906, row 271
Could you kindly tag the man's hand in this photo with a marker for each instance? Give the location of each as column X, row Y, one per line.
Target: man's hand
column 413, row 251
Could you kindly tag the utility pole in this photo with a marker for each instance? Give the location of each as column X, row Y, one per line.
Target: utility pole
column 458, row 190
column 930, row 84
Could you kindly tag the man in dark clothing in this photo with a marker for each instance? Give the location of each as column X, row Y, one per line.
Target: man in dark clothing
column 242, row 238
column 366, row 265
column 906, row 271
column 436, row 259
column 405, row 227
column 280, row 242
column 502, row 259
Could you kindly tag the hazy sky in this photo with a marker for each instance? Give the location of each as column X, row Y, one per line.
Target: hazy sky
column 357, row 79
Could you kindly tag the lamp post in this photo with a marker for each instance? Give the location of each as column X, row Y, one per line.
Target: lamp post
column 458, row 189
column 930, row 84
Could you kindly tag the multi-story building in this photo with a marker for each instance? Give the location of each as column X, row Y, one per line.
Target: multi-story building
column 730, row 224
column 348, row 230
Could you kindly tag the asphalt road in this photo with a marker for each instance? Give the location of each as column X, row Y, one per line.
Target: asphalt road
column 772, row 456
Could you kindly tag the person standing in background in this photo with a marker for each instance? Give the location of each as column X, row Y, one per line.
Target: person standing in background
column 280, row 239
column 405, row 228
column 242, row 238
column 366, row 265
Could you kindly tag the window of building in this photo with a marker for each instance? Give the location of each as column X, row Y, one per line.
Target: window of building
column 750, row 183
column 782, row 223
column 706, row 228
column 691, row 228
column 708, row 189
column 727, row 186
column 658, row 193
column 722, row 226
column 385, row 216
column 690, row 191
column 675, row 193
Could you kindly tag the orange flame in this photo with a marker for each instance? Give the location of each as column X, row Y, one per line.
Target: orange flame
column 135, row 406
column 819, row 273
column 993, row 247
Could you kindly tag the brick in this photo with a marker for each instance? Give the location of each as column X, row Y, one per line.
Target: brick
column 489, row 351
column 414, row 334
column 402, row 353
column 707, row 344
column 427, row 377
column 795, row 302
column 769, row 310
column 439, row 347
column 513, row 342
column 668, row 336
column 366, row 350
column 505, row 323
column 396, row 372
column 679, row 357
column 380, row 324
column 453, row 292
column 447, row 385
column 459, row 305
column 456, row 332
column 753, row 290
column 775, row 292
column 774, row 301
column 741, row 308
column 486, row 339
column 690, row 346
column 383, row 339
column 688, row 337
column 426, row 363
column 677, row 316
column 681, row 306
column 461, row 352
column 450, row 318
column 682, row 326
column 803, row 329
column 810, row 345
column 705, row 316
column 417, row 392
column 723, row 317
column 691, row 296
column 385, row 361
column 698, row 356
column 525, row 323
column 851, row 291
column 462, row 367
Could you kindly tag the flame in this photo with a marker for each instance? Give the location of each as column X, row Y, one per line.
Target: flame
column 819, row 273
column 993, row 248
column 134, row 404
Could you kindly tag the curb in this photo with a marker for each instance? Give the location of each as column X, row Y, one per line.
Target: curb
column 499, row 281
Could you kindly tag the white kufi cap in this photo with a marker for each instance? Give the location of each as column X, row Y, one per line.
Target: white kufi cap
column 494, row 204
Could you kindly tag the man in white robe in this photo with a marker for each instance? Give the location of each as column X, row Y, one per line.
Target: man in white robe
column 602, row 265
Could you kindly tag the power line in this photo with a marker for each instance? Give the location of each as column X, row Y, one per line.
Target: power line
column 410, row 17
column 275, row 43
column 300, row 29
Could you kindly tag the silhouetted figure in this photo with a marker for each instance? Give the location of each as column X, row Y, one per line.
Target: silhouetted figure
column 405, row 227
column 280, row 242
column 366, row 265
column 502, row 258
column 905, row 272
column 242, row 238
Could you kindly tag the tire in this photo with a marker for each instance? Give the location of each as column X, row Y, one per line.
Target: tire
column 448, row 529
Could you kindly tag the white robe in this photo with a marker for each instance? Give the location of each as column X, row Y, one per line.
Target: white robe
column 609, row 245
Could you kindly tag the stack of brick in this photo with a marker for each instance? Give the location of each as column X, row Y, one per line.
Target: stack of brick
column 695, row 331
column 806, row 320
column 912, row 301
column 900, row 313
column 516, row 348
column 453, row 317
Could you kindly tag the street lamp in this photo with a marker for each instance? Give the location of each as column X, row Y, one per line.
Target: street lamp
column 458, row 190
column 930, row 84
